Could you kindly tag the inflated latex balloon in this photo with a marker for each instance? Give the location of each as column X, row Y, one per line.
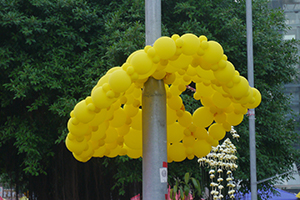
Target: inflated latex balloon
column 220, row 101
column 177, row 152
column 234, row 119
column 119, row 118
column 185, row 120
column 201, row 148
column 99, row 118
column 225, row 74
column 109, row 121
column 119, row 81
column 75, row 146
column 79, row 129
column 133, row 139
column 202, row 117
column 165, row 47
column 99, row 133
column 217, row 131
column 174, row 133
column 191, row 44
column 83, row 113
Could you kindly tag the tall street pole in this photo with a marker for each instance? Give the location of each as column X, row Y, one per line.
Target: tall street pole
column 251, row 112
column 154, row 118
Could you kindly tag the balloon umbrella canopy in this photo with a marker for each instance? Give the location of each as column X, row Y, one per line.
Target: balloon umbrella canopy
column 109, row 121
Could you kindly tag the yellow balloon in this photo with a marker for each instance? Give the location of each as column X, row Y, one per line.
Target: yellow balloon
column 191, row 44
column 123, row 130
column 207, row 101
column 171, row 116
column 141, row 63
column 220, row 117
column 130, row 110
column 111, row 135
column 102, row 80
column 239, row 109
column 213, row 53
column 188, row 141
column 119, row 118
column 86, row 154
column 205, row 73
column 175, row 102
column 189, row 152
column 79, row 129
column 177, row 152
column 186, row 119
column 174, row 133
column 200, row 133
column 80, row 158
column 158, row 75
column 82, row 113
column 220, row 101
column 137, row 121
column 204, row 90
column 226, row 74
column 202, row 117
column 100, row 99
column 111, row 146
column 217, row 131
column 191, row 71
column 133, row 153
column 226, row 126
column 99, row 152
column 169, row 78
column 181, row 62
column 114, row 152
column 99, row 118
column 240, row 89
column 234, row 119
column 110, row 113
column 257, row 99
column 119, row 81
column 201, row 148
column 100, row 132
column 75, row 146
column 133, row 139
column 165, row 47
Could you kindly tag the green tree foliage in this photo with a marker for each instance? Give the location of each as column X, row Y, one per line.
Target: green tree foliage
column 52, row 53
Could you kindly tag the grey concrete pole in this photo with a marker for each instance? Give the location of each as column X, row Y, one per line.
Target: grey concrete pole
column 152, row 20
column 154, row 140
column 154, row 118
column 251, row 112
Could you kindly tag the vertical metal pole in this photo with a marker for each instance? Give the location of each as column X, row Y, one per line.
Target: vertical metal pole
column 154, row 140
column 252, row 143
column 154, row 117
column 153, row 20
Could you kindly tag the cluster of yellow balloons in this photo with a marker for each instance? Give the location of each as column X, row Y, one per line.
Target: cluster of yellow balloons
column 109, row 122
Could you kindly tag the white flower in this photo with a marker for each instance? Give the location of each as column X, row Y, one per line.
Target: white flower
column 231, row 192
column 228, row 179
column 220, row 187
column 220, row 179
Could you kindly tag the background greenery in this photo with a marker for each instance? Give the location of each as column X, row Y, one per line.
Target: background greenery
column 52, row 52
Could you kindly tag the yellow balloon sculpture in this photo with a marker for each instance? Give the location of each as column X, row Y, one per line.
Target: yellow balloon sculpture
column 109, row 122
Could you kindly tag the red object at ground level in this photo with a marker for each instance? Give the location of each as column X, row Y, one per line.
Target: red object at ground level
column 136, row 197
